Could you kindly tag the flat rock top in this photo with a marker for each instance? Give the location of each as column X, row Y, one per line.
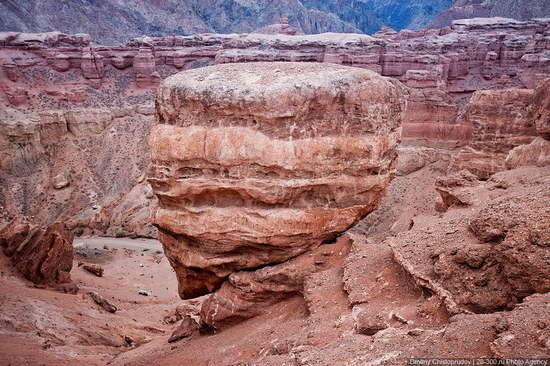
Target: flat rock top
column 281, row 76
column 308, row 99
column 487, row 21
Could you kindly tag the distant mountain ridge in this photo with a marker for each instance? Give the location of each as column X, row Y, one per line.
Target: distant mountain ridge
column 116, row 22
column 517, row 9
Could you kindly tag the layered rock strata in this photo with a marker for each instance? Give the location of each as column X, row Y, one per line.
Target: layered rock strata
column 42, row 255
column 82, row 111
column 254, row 164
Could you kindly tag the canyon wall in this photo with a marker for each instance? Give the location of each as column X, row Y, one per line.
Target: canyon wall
column 75, row 116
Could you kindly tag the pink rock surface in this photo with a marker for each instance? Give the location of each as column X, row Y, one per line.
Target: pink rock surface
column 256, row 163
column 42, row 74
column 42, row 255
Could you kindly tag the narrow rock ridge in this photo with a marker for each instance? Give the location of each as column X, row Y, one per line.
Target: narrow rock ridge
column 236, row 195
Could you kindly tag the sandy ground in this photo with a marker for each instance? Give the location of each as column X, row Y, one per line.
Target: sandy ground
column 118, row 243
column 40, row 326
column 319, row 327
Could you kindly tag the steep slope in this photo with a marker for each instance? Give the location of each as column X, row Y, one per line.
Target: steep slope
column 406, row 14
column 112, row 22
column 107, row 21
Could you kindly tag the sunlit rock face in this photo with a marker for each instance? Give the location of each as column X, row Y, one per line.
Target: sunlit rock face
column 254, row 164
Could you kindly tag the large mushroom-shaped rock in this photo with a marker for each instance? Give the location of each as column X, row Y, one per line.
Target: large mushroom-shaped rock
column 254, row 164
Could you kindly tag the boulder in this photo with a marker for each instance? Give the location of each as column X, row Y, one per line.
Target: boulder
column 187, row 327
column 253, row 164
column 42, row 255
column 60, row 181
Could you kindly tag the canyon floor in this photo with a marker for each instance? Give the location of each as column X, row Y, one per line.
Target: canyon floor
column 331, row 324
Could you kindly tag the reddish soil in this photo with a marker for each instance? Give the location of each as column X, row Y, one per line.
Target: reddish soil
column 363, row 309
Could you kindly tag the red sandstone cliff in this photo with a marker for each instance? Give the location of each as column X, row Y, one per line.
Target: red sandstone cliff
column 75, row 117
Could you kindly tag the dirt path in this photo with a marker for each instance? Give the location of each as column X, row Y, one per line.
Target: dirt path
column 120, row 243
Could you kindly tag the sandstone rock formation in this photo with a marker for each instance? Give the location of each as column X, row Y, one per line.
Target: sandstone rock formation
column 501, row 119
column 54, row 121
column 256, row 163
column 541, row 108
column 536, row 153
column 247, row 294
column 42, row 255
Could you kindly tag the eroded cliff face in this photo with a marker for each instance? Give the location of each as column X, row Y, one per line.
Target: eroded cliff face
column 76, row 117
column 254, row 164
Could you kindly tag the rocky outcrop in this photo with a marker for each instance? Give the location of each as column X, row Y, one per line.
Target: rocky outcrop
column 247, row 294
column 482, row 164
column 296, row 155
column 42, row 255
column 50, row 39
column 501, row 119
column 537, row 153
column 541, row 108
column 144, row 68
column 489, row 256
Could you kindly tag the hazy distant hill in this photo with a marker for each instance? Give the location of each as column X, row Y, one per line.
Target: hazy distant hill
column 115, row 21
